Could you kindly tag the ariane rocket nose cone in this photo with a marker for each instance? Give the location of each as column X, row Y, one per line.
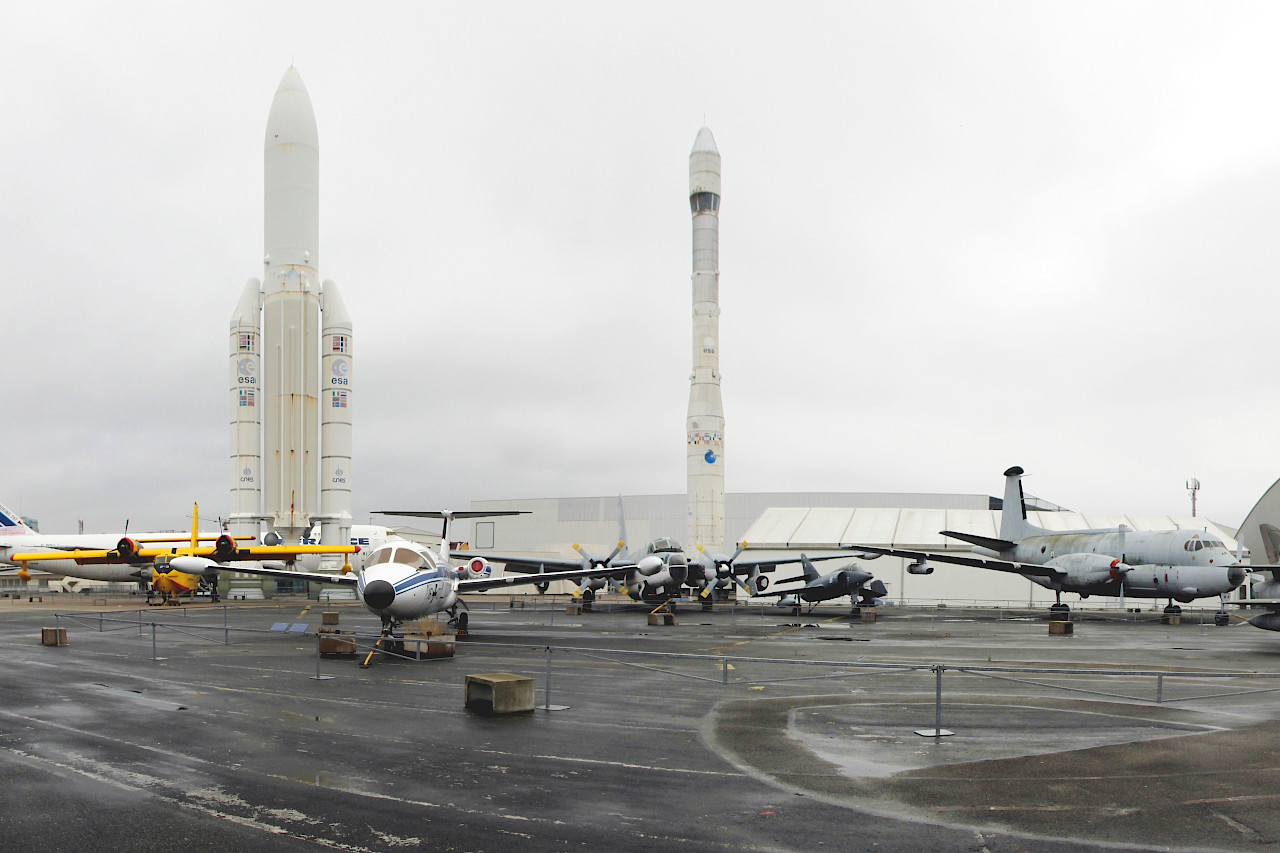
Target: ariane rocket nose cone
column 704, row 142
column 291, row 118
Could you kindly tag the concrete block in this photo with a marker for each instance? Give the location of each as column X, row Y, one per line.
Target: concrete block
column 329, row 617
column 868, row 615
column 574, row 610
column 53, row 636
column 498, row 693
column 1061, row 626
column 1171, row 619
column 661, row 619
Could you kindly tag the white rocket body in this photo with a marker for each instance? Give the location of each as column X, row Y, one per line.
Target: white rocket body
column 246, row 412
column 705, row 423
column 335, row 420
column 295, row 357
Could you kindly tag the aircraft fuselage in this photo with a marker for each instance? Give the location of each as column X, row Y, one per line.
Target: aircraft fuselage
column 1177, row 564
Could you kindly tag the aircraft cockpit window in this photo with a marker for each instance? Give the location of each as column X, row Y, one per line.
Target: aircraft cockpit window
column 382, row 555
column 664, row 545
column 1213, row 543
column 410, row 557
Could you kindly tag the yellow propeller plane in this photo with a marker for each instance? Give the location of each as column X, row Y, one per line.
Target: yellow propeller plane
column 174, row 570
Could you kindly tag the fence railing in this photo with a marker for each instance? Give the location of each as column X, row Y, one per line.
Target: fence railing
column 1063, row 679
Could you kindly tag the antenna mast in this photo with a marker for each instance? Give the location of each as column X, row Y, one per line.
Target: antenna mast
column 1193, row 486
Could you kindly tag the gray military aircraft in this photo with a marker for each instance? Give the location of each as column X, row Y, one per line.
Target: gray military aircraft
column 852, row 580
column 1180, row 565
column 656, row 573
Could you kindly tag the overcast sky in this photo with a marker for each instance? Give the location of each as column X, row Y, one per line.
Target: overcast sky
column 955, row 237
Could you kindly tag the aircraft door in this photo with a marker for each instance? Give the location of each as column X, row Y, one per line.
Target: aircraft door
column 1143, row 579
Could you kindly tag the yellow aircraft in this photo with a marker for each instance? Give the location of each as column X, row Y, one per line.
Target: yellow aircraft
column 172, row 571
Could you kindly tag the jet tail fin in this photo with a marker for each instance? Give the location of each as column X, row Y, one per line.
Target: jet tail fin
column 11, row 522
column 1013, row 517
column 811, row 572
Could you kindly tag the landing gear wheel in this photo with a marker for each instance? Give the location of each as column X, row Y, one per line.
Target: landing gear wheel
column 1059, row 609
column 1172, row 610
column 1222, row 619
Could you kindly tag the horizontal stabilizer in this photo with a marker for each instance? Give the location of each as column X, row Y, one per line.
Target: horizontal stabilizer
column 477, row 513
column 981, row 541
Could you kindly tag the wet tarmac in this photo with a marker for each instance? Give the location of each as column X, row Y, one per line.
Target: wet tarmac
column 733, row 730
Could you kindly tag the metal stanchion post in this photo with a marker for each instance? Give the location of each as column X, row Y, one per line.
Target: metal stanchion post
column 724, row 670
column 99, row 622
column 546, row 705
column 937, row 730
column 154, row 655
column 1159, row 689
column 318, row 676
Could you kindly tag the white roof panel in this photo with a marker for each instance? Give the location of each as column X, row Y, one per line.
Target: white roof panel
column 921, row 527
column 875, row 526
column 775, row 526
column 1106, row 522
column 978, row 522
column 822, row 524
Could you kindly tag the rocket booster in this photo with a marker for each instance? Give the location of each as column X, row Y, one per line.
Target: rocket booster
column 705, row 422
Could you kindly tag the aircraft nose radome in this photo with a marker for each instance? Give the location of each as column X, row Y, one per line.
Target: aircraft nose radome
column 1235, row 576
column 379, row 594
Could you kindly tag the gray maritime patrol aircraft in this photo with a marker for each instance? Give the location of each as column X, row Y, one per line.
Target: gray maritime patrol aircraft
column 1180, row 565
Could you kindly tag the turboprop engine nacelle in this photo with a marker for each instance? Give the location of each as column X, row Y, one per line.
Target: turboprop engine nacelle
column 1089, row 569
column 127, row 548
column 476, row 568
column 659, row 572
column 195, row 565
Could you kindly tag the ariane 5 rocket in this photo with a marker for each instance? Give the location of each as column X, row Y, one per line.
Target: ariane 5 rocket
column 705, row 424
column 291, row 353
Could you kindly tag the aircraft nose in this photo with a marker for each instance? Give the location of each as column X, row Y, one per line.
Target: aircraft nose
column 1235, row 576
column 379, row 594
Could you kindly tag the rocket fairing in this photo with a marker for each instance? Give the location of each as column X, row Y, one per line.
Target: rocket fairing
column 295, row 355
column 705, row 423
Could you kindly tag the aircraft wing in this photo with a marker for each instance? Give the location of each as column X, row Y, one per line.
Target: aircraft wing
column 537, row 577
column 962, row 560
column 313, row 577
column 523, row 563
column 147, row 555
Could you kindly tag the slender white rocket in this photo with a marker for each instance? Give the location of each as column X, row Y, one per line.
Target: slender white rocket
column 705, row 423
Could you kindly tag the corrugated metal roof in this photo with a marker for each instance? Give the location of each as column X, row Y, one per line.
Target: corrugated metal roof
column 794, row 527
